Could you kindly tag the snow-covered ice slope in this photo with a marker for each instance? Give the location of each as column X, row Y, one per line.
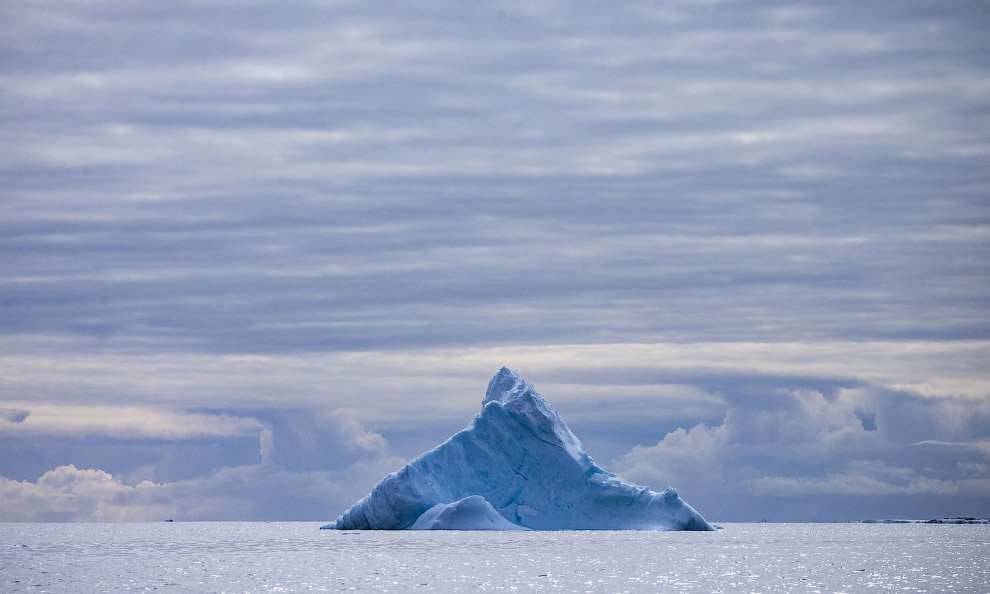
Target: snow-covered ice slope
column 471, row 513
column 520, row 456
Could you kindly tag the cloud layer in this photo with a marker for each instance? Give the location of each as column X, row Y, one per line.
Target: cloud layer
column 120, row 421
column 242, row 242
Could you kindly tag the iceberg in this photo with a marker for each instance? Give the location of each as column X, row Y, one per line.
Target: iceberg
column 518, row 459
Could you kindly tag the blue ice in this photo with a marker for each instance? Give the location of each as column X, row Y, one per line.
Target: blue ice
column 519, row 459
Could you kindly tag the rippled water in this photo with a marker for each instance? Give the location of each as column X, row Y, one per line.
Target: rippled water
column 297, row 557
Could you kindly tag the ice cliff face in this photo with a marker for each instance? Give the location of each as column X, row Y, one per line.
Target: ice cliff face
column 519, row 455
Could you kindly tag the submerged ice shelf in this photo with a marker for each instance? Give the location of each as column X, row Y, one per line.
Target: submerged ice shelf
column 518, row 459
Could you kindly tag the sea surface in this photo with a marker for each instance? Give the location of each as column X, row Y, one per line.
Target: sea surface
column 298, row 557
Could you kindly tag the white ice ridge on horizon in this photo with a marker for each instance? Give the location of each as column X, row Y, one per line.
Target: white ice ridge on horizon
column 520, row 456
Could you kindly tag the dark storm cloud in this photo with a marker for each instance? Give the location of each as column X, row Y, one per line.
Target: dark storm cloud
column 338, row 207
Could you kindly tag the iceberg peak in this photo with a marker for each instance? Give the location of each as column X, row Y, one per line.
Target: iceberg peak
column 519, row 460
column 517, row 396
column 505, row 386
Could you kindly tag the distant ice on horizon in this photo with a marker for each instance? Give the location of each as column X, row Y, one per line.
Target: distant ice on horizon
column 932, row 521
column 519, row 459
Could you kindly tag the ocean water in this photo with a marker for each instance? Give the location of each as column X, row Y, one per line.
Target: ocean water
column 298, row 557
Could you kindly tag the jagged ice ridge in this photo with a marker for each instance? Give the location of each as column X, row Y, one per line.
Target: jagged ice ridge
column 519, row 459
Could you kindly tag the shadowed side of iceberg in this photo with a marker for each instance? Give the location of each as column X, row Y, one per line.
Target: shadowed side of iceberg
column 519, row 455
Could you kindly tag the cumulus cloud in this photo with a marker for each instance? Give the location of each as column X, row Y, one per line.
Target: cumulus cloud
column 801, row 443
column 262, row 491
column 236, row 493
column 69, row 494
column 304, row 440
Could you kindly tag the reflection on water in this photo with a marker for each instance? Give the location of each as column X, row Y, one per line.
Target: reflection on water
column 297, row 557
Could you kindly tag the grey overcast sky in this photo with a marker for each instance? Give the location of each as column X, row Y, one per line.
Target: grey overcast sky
column 253, row 256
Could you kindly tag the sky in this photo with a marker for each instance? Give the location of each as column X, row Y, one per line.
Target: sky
column 255, row 256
